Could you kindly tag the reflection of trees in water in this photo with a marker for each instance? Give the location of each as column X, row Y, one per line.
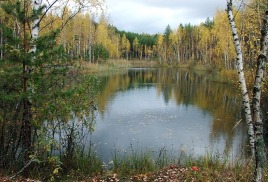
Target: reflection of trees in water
column 185, row 88
column 56, row 101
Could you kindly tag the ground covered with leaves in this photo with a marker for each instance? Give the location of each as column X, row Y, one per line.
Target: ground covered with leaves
column 172, row 173
column 176, row 173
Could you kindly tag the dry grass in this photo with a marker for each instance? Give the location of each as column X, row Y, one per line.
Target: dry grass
column 201, row 172
column 173, row 173
column 109, row 65
column 143, row 63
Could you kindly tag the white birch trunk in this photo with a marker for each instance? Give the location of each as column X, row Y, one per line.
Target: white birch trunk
column 178, row 52
column 260, row 145
column 35, row 26
column 90, row 41
column 242, row 82
column 34, row 36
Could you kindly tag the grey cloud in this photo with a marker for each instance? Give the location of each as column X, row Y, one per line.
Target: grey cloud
column 152, row 16
column 175, row 4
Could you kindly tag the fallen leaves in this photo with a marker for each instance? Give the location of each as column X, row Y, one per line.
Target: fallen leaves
column 172, row 173
column 194, row 168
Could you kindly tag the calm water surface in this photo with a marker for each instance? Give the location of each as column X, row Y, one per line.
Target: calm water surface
column 178, row 110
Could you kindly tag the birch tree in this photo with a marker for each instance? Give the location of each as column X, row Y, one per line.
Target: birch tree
column 27, row 85
column 259, row 140
column 135, row 47
column 160, row 41
column 203, row 44
column 241, row 76
column 167, row 42
column 174, row 41
column 254, row 120
column 224, row 48
column 125, row 46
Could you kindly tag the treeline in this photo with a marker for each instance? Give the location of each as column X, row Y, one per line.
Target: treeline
column 85, row 39
column 209, row 44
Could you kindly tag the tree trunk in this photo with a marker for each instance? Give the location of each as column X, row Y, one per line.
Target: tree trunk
column 261, row 61
column 1, row 40
column 259, row 145
column 242, row 82
column 35, row 26
column 27, row 87
column 178, row 54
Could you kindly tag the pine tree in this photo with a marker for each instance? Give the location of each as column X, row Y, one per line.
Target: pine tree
column 34, row 67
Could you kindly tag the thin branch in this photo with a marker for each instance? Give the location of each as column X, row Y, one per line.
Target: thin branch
column 242, row 2
column 49, row 23
column 47, row 9
column 27, row 165
column 236, row 124
column 69, row 18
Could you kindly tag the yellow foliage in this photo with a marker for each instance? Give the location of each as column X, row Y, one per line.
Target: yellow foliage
column 224, row 49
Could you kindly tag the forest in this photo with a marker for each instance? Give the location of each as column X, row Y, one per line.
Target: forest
column 207, row 44
column 42, row 46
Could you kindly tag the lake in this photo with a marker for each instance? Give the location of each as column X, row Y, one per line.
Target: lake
column 173, row 109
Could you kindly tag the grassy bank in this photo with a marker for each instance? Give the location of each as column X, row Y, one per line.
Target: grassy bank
column 111, row 65
column 223, row 76
column 149, row 166
column 160, row 166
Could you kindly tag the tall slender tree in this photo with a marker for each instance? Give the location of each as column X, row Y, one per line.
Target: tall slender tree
column 242, row 81
column 254, row 120
column 34, row 58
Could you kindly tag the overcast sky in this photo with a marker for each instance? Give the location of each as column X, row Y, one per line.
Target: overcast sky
column 152, row 16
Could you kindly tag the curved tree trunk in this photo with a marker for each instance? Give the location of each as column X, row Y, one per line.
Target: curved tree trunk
column 261, row 61
column 242, row 82
column 254, row 121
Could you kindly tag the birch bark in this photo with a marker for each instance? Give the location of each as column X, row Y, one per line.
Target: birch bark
column 259, row 140
column 26, row 136
column 35, row 26
column 254, row 121
column 241, row 76
column 27, row 86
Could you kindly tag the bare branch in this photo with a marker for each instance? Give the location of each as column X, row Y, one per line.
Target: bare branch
column 47, row 9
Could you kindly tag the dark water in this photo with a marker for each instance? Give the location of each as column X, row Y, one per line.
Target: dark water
column 174, row 109
column 169, row 110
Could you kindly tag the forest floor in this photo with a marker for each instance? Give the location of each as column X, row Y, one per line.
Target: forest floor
column 173, row 173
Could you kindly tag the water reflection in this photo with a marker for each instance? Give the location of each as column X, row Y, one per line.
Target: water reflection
column 149, row 109
column 171, row 108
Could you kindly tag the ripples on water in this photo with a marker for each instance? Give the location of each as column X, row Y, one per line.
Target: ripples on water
column 173, row 109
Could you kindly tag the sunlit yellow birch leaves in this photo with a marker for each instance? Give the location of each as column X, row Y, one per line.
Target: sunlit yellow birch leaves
column 125, row 46
column 224, row 48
